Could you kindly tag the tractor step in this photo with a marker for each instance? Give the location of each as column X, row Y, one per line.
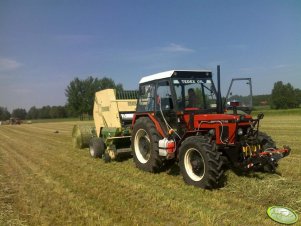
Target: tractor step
column 123, row 150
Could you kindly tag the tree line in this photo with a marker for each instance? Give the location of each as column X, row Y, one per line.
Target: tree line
column 45, row 112
column 80, row 100
column 285, row 96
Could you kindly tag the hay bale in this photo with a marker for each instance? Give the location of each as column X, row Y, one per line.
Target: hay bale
column 82, row 134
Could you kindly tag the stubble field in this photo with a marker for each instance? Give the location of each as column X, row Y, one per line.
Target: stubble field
column 44, row 181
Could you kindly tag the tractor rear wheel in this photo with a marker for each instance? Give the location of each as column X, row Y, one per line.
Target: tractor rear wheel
column 200, row 164
column 96, row 147
column 145, row 146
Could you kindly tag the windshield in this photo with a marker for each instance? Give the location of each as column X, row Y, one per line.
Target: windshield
column 195, row 93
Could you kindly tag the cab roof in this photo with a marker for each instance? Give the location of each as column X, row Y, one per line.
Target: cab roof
column 177, row 73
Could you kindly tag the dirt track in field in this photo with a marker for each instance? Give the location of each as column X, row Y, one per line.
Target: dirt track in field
column 44, row 181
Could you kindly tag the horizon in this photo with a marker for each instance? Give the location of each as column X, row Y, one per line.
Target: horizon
column 65, row 105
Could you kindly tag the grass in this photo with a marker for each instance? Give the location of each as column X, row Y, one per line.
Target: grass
column 55, row 120
column 280, row 112
column 44, row 181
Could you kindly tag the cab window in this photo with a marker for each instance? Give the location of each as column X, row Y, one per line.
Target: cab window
column 146, row 101
column 164, row 98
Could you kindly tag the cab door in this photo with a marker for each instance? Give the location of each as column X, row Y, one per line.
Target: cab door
column 165, row 111
column 240, row 95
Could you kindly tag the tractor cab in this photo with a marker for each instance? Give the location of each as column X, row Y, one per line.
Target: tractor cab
column 185, row 91
column 177, row 91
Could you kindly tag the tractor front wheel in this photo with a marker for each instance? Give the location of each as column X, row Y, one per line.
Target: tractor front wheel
column 266, row 141
column 145, row 147
column 200, row 164
column 267, row 144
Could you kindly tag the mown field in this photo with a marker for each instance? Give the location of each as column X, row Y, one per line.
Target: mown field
column 44, row 181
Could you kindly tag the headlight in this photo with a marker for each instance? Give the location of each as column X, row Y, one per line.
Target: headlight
column 240, row 132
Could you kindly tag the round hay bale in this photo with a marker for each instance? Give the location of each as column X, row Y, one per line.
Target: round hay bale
column 81, row 135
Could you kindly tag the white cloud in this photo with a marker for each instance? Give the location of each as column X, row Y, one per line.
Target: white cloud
column 7, row 64
column 172, row 47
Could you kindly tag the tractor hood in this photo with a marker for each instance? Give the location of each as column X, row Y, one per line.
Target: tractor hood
column 196, row 120
column 211, row 118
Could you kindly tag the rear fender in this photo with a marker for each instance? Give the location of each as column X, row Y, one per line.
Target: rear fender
column 154, row 120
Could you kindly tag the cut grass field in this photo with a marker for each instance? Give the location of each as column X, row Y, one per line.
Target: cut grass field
column 44, row 181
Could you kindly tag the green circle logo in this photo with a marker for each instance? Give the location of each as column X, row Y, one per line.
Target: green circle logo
column 282, row 214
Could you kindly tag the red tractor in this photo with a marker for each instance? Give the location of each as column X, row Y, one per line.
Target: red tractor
column 181, row 116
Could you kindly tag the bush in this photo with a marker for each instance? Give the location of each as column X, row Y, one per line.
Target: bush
column 284, row 96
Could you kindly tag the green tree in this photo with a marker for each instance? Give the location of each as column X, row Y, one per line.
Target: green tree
column 57, row 112
column 283, row 96
column 44, row 112
column 4, row 114
column 298, row 96
column 261, row 99
column 33, row 113
column 80, row 93
column 19, row 113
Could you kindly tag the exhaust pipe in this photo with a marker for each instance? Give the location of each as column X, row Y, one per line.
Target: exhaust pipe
column 219, row 93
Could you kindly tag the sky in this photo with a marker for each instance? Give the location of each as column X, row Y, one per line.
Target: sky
column 45, row 44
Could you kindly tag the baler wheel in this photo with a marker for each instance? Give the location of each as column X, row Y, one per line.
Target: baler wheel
column 96, row 147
